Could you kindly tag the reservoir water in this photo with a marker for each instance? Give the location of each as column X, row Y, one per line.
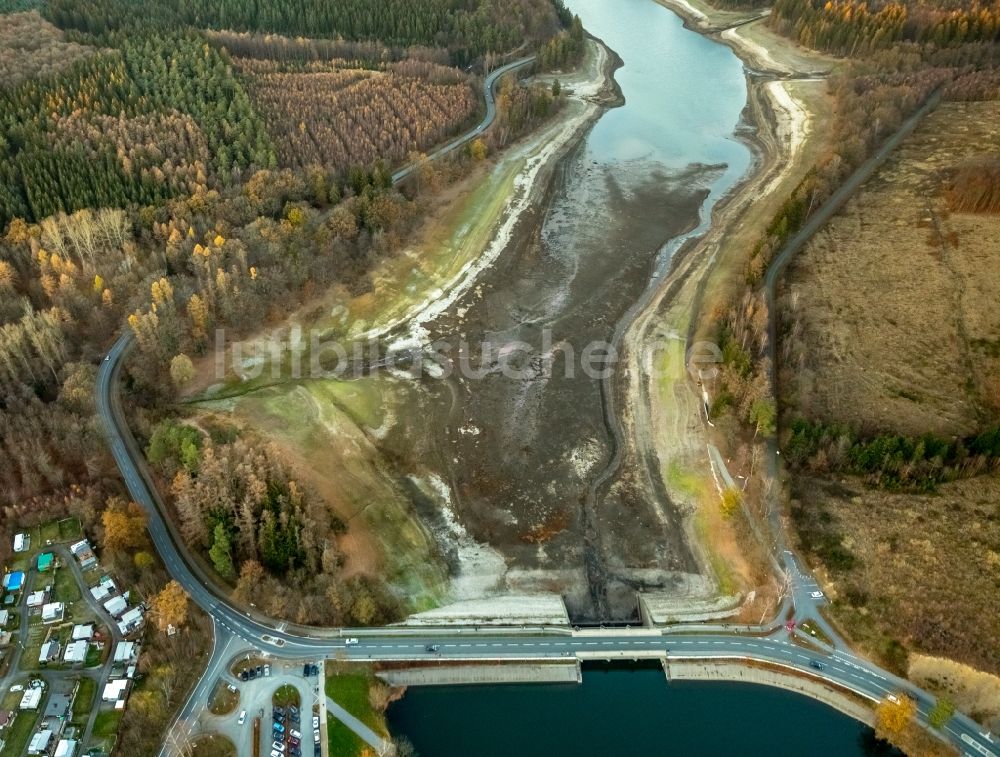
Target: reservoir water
column 621, row 711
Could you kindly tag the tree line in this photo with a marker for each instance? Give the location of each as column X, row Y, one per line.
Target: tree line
column 890, row 461
column 467, row 28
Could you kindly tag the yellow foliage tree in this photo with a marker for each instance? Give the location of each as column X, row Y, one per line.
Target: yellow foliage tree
column 171, row 606
column 477, row 149
column 181, row 370
column 893, row 715
column 732, row 498
column 124, row 526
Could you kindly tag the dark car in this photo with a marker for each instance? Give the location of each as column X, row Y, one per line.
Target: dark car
column 432, row 647
column 816, row 664
column 294, row 742
column 305, row 668
column 243, row 675
column 260, row 670
column 279, row 711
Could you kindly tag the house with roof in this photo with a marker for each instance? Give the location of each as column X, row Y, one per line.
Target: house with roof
column 116, row 606
column 40, row 742
column 65, row 748
column 45, row 561
column 6, row 718
column 126, row 652
column 84, row 554
column 4, row 618
column 22, row 542
column 130, row 620
column 76, row 652
column 49, row 652
column 83, row 631
column 53, row 612
column 38, row 598
column 116, row 690
column 31, row 698
column 14, row 581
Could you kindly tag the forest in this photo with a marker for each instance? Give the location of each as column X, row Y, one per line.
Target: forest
column 164, row 178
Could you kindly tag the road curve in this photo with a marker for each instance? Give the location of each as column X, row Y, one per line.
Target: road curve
column 462, row 643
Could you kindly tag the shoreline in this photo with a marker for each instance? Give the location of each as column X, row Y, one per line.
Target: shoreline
column 667, row 418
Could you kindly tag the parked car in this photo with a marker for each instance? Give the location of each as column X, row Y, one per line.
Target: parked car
column 279, row 727
column 279, row 745
column 275, row 753
column 295, row 734
column 259, row 670
column 315, row 722
column 294, row 742
column 244, row 675
column 242, row 718
column 267, row 671
column 315, row 669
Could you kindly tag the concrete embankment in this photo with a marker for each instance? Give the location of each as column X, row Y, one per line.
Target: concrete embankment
column 735, row 670
column 450, row 675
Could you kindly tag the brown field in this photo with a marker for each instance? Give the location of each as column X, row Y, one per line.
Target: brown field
column 31, row 46
column 891, row 323
column 926, row 570
column 324, row 114
column 892, row 309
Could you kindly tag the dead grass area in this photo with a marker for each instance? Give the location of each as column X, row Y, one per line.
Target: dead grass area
column 891, row 318
column 971, row 690
column 31, row 46
column 909, row 572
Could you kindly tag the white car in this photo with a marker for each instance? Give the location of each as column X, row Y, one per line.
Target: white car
column 275, row 753
column 315, row 722
column 243, row 717
column 350, row 642
column 816, row 594
column 17, row 687
column 278, row 747
column 295, row 734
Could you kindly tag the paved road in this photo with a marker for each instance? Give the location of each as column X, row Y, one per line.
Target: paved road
column 400, row 644
column 491, row 112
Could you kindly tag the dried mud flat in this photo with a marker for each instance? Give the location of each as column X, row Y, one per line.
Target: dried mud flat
column 891, row 314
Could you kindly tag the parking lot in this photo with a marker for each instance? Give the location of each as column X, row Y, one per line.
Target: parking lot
column 284, row 731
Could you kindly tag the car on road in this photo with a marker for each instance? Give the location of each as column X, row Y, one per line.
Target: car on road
column 816, row 594
column 351, row 641
column 243, row 717
column 433, row 647
column 816, row 664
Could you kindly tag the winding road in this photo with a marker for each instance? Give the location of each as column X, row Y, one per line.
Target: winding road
column 236, row 628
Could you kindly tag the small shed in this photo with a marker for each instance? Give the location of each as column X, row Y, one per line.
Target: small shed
column 22, row 542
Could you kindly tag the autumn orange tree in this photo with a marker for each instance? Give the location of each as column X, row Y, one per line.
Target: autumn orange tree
column 124, row 526
column 170, row 606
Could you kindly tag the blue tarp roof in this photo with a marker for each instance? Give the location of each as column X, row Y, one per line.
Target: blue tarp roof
column 13, row 581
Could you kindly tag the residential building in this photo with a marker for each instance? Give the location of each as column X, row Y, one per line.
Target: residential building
column 116, row 691
column 6, row 718
column 40, row 742
column 4, row 617
column 101, row 591
column 130, row 620
column 126, row 652
column 49, row 652
column 22, row 542
column 38, row 598
column 53, row 612
column 83, row 631
column 14, row 581
column 45, row 562
column 76, row 652
column 65, row 748
column 31, row 698
column 84, row 554
column 116, row 606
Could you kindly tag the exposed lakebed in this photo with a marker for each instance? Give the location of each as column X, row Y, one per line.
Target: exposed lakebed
column 528, row 452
